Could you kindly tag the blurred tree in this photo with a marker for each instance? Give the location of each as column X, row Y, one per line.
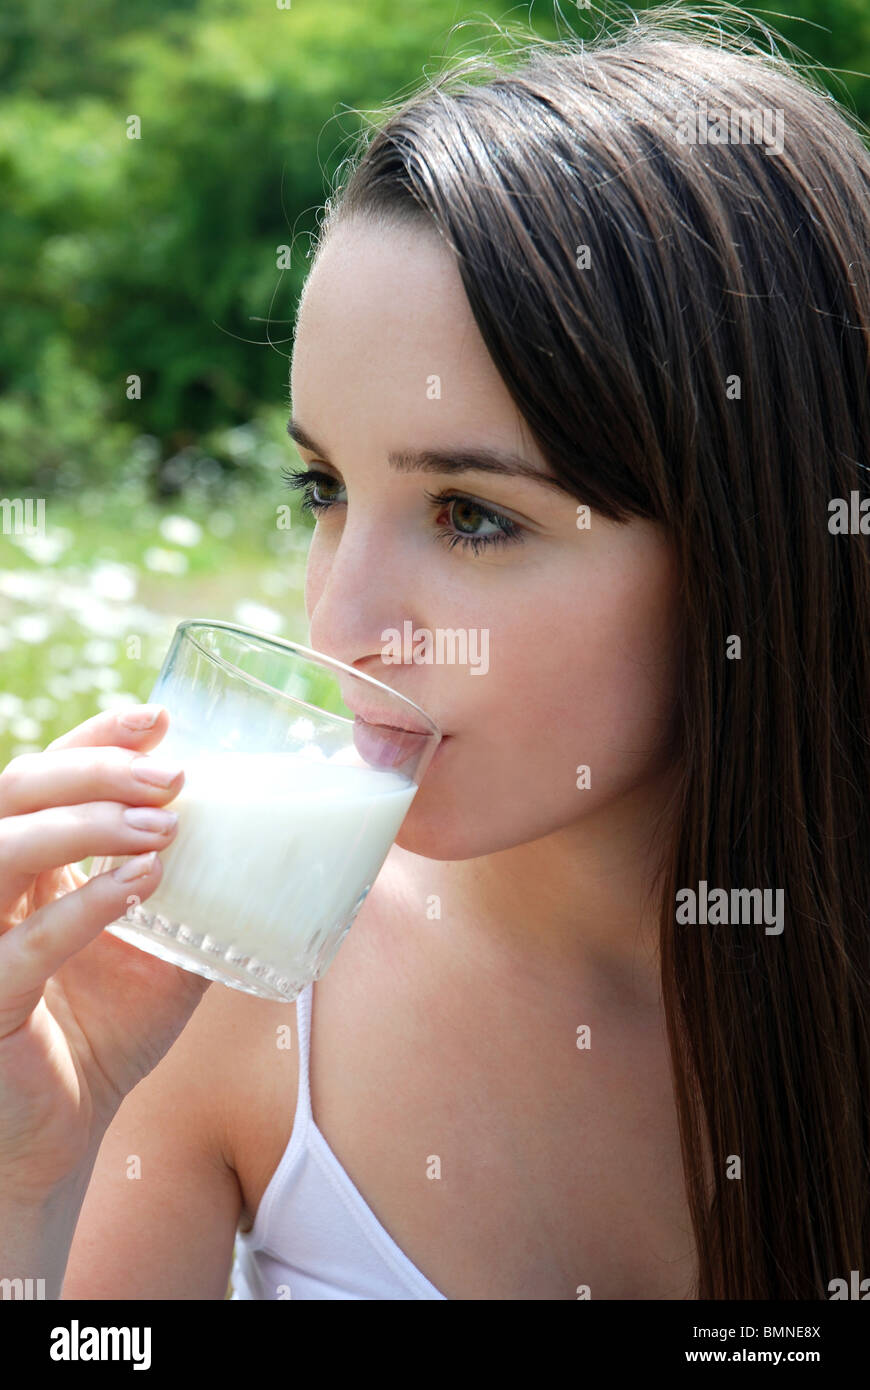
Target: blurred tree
column 157, row 257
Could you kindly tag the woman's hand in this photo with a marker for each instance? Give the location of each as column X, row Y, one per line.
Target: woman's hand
column 84, row 1016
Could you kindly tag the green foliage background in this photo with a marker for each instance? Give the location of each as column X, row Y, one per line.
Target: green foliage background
column 157, row 256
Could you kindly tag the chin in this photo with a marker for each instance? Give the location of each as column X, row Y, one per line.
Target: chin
column 428, row 842
column 438, row 829
column 450, row 823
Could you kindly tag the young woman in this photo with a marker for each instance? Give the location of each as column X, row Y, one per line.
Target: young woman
column 581, row 364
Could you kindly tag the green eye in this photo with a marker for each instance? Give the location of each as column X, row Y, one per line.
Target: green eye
column 311, row 482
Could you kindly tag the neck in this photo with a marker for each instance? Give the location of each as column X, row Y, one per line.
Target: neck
column 572, row 910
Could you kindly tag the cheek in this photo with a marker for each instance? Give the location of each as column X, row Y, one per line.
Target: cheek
column 602, row 695
column 588, row 687
column 315, row 577
column 618, row 682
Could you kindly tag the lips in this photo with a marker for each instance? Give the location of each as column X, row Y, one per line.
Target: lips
column 387, row 721
column 386, row 745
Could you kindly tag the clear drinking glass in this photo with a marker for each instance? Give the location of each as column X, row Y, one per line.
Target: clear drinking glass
column 299, row 771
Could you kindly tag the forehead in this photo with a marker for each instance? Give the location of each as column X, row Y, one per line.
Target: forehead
column 386, row 286
column 384, row 327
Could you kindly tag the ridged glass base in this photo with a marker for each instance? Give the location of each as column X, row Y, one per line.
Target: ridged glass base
column 229, row 965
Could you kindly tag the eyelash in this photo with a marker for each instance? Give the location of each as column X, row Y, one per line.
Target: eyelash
column 306, row 479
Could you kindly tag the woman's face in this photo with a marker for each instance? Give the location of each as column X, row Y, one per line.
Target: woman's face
column 570, row 632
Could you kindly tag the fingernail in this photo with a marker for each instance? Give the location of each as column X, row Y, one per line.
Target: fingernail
column 157, row 774
column 150, row 818
column 140, row 717
column 135, row 868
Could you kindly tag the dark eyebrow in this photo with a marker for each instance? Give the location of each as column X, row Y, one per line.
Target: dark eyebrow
column 458, row 460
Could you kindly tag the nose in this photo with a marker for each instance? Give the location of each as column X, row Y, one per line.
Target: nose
column 356, row 588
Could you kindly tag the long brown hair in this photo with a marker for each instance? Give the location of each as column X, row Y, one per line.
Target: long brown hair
column 685, row 327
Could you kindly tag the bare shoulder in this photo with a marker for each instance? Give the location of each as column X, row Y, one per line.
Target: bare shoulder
column 171, row 1235
column 250, row 1047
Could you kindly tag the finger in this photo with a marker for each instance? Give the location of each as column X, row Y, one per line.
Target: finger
column 72, row 776
column 63, row 835
column 118, row 726
column 36, row 948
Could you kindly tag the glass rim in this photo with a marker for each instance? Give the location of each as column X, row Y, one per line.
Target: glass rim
column 288, row 645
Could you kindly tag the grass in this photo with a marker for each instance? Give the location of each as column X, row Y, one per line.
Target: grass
column 88, row 608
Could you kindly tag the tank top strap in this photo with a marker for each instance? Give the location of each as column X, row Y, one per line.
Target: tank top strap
column 303, row 1030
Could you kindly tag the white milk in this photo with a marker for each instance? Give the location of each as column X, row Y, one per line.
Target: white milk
column 272, row 848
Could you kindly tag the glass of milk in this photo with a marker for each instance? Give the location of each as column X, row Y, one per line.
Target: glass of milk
column 299, row 771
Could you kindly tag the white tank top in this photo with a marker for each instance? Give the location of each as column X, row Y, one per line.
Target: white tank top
column 314, row 1236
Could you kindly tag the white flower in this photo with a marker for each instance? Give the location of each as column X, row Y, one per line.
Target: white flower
column 45, row 549
column 99, row 652
column 59, row 687
column 111, row 580
column 82, row 679
column 25, row 727
column 30, row 627
column 93, row 614
column 28, row 586
column 257, row 615
column 165, row 561
column 180, row 530
column 105, row 678
column 275, row 583
column 116, row 699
